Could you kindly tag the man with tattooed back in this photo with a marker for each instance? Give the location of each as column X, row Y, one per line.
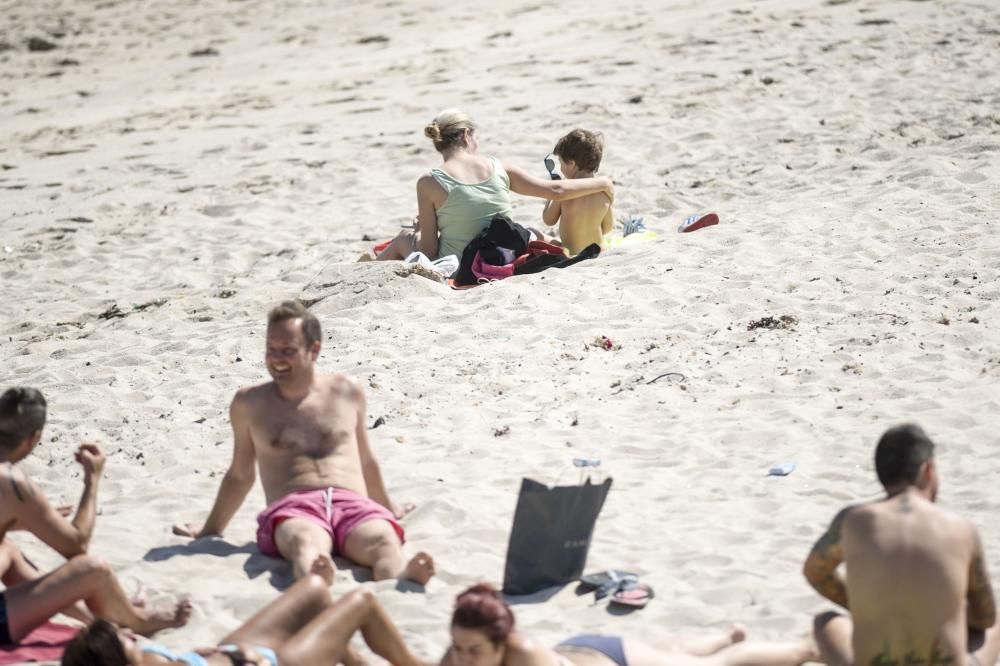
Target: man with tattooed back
column 916, row 582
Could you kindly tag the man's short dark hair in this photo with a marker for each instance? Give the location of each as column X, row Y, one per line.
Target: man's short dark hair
column 296, row 310
column 584, row 148
column 900, row 454
column 22, row 413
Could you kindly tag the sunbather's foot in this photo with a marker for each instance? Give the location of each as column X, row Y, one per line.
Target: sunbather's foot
column 737, row 633
column 139, row 599
column 420, row 569
column 323, row 567
column 168, row 618
column 366, row 256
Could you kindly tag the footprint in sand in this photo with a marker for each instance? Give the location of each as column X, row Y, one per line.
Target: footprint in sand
column 218, row 211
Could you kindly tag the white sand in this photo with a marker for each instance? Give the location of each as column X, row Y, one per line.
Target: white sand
column 853, row 162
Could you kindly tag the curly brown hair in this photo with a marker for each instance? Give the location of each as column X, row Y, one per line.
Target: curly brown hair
column 583, row 147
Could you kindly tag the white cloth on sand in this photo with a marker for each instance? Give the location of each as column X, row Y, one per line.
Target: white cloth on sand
column 445, row 266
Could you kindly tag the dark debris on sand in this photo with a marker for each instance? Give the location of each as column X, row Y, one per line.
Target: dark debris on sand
column 37, row 45
column 784, row 322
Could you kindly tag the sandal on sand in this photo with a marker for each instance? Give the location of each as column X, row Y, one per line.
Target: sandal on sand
column 633, row 225
column 606, row 582
column 694, row 223
column 633, row 595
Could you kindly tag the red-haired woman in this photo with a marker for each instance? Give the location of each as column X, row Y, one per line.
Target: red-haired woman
column 304, row 627
column 483, row 634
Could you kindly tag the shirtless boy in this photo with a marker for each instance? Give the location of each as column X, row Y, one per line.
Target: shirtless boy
column 308, row 434
column 586, row 220
column 916, row 582
column 30, row 597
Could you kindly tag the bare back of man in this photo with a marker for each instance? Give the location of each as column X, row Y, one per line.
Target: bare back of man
column 916, row 580
column 908, row 567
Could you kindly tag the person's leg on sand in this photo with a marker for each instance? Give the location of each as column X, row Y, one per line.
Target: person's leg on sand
column 307, row 546
column 752, row 653
column 712, row 644
column 833, row 638
column 84, row 577
column 326, row 638
column 278, row 621
column 15, row 569
column 375, row 543
column 730, row 650
column 400, row 248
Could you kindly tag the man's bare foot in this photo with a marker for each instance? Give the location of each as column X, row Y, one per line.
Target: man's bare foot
column 169, row 618
column 737, row 633
column 323, row 567
column 420, row 569
column 366, row 256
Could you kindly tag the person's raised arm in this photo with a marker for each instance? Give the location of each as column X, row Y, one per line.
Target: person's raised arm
column 33, row 512
column 427, row 216
column 557, row 190
column 369, row 465
column 239, row 478
column 821, row 566
column 551, row 212
column 981, row 613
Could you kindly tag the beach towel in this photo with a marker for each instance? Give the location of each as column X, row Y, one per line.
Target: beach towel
column 502, row 234
column 46, row 643
column 544, row 260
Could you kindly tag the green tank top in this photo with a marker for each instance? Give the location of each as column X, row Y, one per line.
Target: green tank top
column 469, row 207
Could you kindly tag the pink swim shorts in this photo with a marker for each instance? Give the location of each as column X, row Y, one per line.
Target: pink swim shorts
column 336, row 510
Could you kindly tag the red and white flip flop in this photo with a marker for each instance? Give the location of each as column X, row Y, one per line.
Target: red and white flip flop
column 636, row 595
column 694, row 223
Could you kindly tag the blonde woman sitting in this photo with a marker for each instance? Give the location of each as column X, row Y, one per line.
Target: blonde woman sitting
column 457, row 200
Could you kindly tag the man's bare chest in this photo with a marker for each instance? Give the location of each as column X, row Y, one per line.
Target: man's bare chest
column 306, row 430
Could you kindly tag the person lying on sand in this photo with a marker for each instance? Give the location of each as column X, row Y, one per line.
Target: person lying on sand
column 31, row 598
column 586, row 220
column 483, row 633
column 324, row 488
column 916, row 584
column 302, row 627
column 457, row 200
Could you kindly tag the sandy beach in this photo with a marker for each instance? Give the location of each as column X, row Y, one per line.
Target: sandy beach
column 170, row 170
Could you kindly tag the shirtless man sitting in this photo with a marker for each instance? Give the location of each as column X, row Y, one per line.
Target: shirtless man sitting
column 324, row 488
column 916, row 578
column 30, row 597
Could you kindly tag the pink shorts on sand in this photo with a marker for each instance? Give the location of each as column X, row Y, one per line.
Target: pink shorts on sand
column 336, row 510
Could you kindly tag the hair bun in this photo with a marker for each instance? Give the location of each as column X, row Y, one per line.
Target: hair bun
column 433, row 132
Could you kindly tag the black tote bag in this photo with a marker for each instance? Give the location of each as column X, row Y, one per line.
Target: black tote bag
column 551, row 534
